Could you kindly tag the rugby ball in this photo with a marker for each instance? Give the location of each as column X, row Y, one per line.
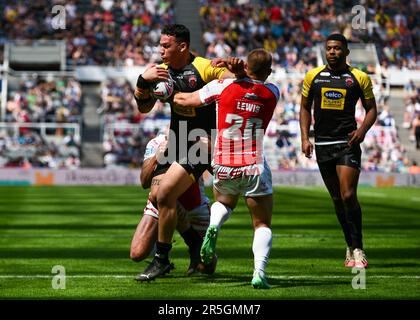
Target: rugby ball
column 162, row 90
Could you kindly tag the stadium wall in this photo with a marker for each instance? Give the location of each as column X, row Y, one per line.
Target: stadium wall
column 123, row 177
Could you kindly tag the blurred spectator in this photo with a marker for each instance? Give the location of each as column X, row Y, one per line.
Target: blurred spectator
column 289, row 30
column 40, row 100
column 106, row 32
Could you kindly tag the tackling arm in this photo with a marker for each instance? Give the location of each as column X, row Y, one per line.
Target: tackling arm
column 146, row 172
column 188, row 99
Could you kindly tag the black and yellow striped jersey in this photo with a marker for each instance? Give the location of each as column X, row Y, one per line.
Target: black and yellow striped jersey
column 192, row 77
column 335, row 95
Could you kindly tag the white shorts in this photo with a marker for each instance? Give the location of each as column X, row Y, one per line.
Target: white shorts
column 199, row 217
column 250, row 181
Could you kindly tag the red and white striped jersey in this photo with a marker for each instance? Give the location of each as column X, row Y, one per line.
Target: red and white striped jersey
column 244, row 110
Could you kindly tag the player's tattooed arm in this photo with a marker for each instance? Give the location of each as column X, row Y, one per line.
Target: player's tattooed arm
column 149, row 165
column 155, row 182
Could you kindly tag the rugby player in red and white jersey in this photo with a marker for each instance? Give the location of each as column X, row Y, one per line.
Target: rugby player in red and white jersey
column 245, row 106
column 193, row 213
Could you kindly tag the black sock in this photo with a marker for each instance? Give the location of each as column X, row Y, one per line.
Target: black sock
column 345, row 226
column 193, row 240
column 355, row 223
column 162, row 252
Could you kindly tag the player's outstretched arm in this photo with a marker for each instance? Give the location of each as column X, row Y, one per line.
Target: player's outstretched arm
column 188, row 99
column 144, row 100
column 235, row 67
column 357, row 136
column 305, row 123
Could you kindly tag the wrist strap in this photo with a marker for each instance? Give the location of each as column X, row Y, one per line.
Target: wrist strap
column 141, row 83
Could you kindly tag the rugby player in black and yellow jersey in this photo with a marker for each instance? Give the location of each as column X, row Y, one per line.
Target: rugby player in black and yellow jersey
column 334, row 90
column 189, row 73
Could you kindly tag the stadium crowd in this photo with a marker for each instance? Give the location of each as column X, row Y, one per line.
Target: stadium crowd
column 107, row 32
column 125, row 33
column 291, row 29
column 30, row 149
column 41, row 100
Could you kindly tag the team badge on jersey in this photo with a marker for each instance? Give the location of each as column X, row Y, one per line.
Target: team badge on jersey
column 192, row 81
column 333, row 98
column 349, row 82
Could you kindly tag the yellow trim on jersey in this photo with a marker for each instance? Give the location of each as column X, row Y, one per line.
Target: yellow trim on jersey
column 364, row 82
column 192, row 177
column 207, row 72
column 309, row 77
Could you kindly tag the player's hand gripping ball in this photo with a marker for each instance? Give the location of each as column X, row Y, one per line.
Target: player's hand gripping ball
column 163, row 90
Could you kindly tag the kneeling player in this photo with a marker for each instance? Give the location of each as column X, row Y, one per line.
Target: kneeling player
column 193, row 212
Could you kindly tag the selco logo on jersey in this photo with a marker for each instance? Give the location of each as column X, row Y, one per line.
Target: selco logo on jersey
column 333, row 98
column 333, row 94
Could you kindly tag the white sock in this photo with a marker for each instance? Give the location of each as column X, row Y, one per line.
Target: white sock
column 261, row 248
column 219, row 213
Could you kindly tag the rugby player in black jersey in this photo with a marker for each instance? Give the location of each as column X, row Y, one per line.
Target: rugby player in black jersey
column 174, row 177
column 334, row 90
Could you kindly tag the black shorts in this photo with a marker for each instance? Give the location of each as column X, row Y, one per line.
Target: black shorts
column 196, row 171
column 193, row 164
column 332, row 155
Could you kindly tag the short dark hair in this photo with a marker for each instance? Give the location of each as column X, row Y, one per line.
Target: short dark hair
column 259, row 62
column 179, row 31
column 338, row 37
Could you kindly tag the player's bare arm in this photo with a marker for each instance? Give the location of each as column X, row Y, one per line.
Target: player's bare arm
column 235, row 67
column 144, row 100
column 305, row 123
column 146, row 172
column 187, row 99
column 149, row 166
column 357, row 136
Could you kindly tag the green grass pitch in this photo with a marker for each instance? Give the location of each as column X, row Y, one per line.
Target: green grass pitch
column 88, row 231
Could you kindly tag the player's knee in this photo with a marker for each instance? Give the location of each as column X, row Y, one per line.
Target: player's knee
column 165, row 199
column 348, row 196
column 138, row 254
